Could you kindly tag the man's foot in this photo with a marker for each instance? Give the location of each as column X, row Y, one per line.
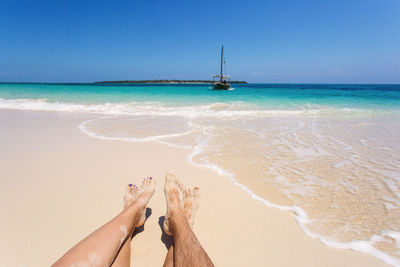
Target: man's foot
column 191, row 197
column 179, row 198
column 173, row 196
column 140, row 195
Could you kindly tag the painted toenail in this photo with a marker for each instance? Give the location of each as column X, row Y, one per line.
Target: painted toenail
column 130, row 185
column 151, row 178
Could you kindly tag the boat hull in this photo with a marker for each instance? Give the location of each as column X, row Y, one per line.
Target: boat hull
column 221, row 86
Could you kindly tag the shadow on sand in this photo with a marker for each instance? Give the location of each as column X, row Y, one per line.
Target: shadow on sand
column 166, row 239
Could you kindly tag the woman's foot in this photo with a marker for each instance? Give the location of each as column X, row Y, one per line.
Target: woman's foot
column 140, row 196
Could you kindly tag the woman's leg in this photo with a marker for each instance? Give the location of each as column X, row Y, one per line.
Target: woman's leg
column 101, row 247
column 169, row 259
column 123, row 258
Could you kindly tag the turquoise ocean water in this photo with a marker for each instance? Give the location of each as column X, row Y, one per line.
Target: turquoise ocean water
column 328, row 153
column 273, row 96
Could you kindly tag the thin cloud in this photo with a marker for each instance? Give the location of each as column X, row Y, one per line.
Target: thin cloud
column 337, row 71
column 257, row 74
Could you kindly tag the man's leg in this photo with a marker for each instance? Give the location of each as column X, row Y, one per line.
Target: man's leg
column 191, row 199
column 101, row 247
column 187, row 250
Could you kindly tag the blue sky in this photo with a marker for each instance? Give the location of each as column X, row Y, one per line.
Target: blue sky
column 265, row 41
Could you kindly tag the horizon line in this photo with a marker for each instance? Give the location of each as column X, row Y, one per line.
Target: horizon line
column 118, row 82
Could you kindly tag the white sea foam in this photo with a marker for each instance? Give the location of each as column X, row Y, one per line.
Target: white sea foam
column 152, row 138
column 232, row 110
column 302, row 218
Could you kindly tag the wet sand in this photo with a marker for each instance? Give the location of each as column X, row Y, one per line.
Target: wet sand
column 57, row 185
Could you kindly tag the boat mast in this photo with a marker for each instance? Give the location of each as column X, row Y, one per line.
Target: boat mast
column 222, row 58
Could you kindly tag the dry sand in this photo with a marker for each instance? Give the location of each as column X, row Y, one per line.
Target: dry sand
column 57, row 185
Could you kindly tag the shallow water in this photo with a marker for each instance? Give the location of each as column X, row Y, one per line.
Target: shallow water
column 329, row 153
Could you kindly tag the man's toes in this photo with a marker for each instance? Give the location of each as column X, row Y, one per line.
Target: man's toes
column 196, row 192
column 169, row 178
column 186, row 194
column 179, row 184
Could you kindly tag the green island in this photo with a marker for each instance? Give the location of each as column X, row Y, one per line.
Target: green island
column 166, row 81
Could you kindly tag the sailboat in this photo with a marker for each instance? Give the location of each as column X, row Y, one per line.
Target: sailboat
column 221, row 82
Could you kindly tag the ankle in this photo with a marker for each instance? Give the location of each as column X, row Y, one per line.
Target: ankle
column 176, row 219
column 134, row 210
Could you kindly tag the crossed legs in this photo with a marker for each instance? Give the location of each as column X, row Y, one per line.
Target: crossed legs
column 111, row 242
column 182, row 204
column 123, row 258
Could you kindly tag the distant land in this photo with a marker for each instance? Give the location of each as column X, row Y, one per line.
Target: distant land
column 167, row 81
